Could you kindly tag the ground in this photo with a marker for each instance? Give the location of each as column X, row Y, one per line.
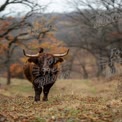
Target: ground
column 92, row 100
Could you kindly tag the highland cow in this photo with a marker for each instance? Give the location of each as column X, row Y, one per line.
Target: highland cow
column 42, row 70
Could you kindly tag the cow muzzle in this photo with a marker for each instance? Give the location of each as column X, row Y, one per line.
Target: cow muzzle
column 46, row 70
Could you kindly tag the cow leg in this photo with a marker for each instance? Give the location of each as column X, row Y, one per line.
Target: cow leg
column 46, row 90
column 37, row 93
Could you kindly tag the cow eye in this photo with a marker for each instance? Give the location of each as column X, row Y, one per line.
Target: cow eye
column 50, row 61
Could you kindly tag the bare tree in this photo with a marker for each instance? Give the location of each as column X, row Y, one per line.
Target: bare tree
column 95, row 22
column 18, row 30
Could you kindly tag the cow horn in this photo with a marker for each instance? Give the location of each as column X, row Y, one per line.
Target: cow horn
column 61, row 55
column 28, row 55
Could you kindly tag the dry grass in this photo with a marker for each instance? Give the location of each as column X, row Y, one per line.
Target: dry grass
column 61, row 87
column 69, row 101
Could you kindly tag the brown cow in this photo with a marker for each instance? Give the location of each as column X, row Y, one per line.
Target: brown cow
column 41, row 70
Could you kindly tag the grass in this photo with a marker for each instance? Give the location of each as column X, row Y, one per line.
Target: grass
column 69, row 101
column 61, row 87
column 25, row 88
column 17, row 87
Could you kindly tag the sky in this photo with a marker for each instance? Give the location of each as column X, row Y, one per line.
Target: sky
column 54, row 6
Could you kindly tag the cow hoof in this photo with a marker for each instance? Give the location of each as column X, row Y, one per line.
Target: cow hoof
column 37, row 100
column 45, row 99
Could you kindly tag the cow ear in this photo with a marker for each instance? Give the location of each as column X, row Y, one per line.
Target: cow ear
column 57, row 59
column 33, row 59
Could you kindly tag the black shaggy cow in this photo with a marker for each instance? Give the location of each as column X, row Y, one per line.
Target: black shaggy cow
column 41, row 70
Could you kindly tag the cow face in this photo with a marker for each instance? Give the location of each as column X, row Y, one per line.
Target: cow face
column 46, row 62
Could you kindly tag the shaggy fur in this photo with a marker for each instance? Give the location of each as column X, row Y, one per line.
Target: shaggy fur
column 42, row 71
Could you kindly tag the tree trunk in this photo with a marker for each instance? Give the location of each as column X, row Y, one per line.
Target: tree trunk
column 100, row 69
column 8, row 75
column 85, row 74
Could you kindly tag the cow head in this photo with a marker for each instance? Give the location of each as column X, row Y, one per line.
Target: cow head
column 45, row 61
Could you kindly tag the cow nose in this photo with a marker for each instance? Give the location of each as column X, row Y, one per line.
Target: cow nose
column 45, row 70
